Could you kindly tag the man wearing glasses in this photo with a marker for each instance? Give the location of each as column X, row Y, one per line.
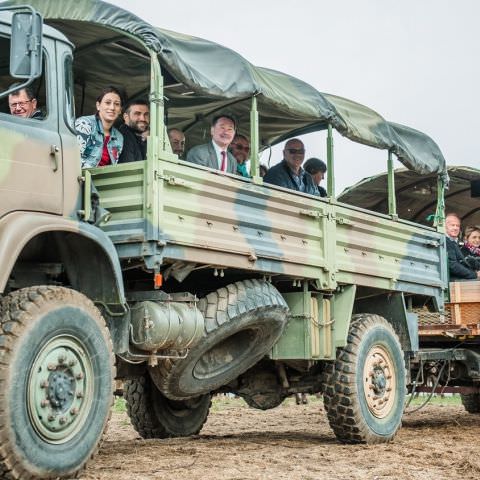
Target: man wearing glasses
column 289, row 172
column 23, row 103
column 240, row 148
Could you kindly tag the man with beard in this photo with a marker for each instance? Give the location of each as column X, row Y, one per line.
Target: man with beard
column 137, row 121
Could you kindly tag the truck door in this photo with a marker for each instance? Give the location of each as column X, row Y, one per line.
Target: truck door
column 30, row 154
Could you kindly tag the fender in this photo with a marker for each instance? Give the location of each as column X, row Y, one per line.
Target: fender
column 392, row 307
column 17, row 229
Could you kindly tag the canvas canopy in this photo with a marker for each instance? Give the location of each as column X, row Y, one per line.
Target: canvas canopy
column 416, row 195
column 203, row 78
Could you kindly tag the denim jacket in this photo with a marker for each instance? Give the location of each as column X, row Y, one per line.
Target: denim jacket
column 90, row 138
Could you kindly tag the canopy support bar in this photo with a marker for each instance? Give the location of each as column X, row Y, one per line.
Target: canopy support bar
column 439, row 221
column 392, row 201
column 330, row 173
column 254, row 142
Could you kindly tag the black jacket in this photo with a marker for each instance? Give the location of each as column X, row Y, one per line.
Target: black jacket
column 134, row 147
column 456, row 267
column 282, row 176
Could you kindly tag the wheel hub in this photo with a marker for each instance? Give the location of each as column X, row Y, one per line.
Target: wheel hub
column 59, row 389
column 379, row 381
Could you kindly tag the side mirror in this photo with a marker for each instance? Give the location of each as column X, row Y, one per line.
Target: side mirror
column 26, row 45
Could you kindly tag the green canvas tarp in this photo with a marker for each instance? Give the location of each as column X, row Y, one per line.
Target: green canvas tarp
column 203, row 77
column 417, row 195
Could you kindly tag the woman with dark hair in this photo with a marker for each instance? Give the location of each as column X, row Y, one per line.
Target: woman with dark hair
column 100, row 142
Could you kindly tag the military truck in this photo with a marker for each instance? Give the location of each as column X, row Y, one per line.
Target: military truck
column 180, row 280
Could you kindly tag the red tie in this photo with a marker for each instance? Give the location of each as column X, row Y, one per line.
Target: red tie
column 223, row 166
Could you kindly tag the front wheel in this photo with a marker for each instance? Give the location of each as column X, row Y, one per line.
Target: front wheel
column 364, row 390
column 57, row 382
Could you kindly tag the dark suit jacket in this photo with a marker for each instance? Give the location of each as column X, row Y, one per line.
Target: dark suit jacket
column 282, row 176
column 205, row 155
column 458, row 271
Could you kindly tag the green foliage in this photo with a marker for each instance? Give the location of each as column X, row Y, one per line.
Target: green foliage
column 119, row 405
column 445, row 400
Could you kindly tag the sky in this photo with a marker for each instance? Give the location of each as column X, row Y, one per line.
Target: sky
column 415, row 62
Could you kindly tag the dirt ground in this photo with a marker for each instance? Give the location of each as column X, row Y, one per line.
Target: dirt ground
column 294, row 442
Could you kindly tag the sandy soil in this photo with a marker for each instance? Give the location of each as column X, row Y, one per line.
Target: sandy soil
column 294, row 442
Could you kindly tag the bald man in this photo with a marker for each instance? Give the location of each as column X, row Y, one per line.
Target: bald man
column 289, row 172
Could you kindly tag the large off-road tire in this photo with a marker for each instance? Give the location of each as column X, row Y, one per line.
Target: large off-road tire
column 471, row 402
column 364, row 390
column 155, row 416
column 56, row 376
column 242, row 322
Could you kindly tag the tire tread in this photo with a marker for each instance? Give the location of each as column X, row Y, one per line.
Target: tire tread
column 16, row 312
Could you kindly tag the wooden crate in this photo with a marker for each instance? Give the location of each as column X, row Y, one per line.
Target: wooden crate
column 466, row 313
column 468, row 291
column 465, row 302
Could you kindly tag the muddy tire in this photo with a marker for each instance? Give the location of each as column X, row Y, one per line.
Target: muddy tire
column 471, row 402
column 56, row 371
column 155, row 416
column 364, row 390
column 242, row 322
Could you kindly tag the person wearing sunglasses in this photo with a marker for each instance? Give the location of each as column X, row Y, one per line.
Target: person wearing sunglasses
column 23, row 103
column 289, row 172
column 240, row 148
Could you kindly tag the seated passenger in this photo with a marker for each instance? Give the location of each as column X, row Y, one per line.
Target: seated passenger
column 289, row 172
column 23, row 103
column 100, row 142
column 177, row 141
column 136, row 117
column 471, row 239
column 316, row 168
column 240, row 148
column 456, row 261
column 215, row 154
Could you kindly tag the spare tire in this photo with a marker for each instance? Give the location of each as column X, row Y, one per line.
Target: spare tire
column 242, row 322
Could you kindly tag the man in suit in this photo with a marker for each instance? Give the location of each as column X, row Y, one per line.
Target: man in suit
column 215, row 154
column 456, row 265
column 289, row 172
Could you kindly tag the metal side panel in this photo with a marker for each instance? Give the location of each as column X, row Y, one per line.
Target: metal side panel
column 378, row 252
column 122, row 191
column 209, row 217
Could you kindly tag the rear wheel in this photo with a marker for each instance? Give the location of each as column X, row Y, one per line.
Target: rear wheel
column 364, row 390
column 242, row 322
column 471, row 402
column 155, row 416
column 57, row 382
